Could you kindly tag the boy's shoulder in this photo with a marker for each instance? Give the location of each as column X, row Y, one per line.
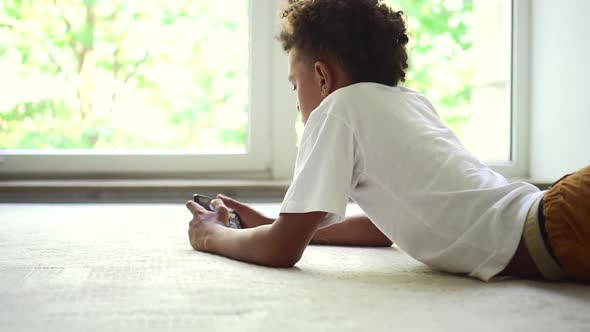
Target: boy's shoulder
column 365, row 92
column 364, row 97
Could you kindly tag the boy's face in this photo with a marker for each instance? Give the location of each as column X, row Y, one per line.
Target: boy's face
column 307, row 83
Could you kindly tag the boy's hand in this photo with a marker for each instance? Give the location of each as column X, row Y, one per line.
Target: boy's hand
column 204, row 222
column 279, row 245
column 248, row 216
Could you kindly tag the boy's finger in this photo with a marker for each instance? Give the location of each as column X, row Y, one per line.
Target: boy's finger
column 193, row 207
column 218, row 204
column 231, row 203
column 220, row 209
column 224, row 198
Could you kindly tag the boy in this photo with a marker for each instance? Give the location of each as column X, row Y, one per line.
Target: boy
column 385, row 147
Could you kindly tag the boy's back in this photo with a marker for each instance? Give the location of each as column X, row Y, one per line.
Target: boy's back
column 388, row 149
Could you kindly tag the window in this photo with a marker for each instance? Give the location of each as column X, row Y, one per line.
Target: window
column 170, row 89
column 463, row 57
column 118, row 87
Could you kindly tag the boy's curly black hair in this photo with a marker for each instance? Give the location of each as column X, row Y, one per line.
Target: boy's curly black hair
column 366, row 37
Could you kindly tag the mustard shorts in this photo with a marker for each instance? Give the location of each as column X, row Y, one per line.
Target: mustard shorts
column 557, row 229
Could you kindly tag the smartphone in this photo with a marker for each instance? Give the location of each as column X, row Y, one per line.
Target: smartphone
column 205, row 201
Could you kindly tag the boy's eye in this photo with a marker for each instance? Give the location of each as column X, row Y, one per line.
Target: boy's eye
column 294, row 88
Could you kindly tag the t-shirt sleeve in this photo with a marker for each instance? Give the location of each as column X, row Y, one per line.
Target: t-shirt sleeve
column 324, row 170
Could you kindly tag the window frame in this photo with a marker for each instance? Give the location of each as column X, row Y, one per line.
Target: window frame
column 518, row 167
column 272, row 137
column 256, row 161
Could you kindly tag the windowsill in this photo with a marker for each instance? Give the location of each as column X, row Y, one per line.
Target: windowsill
column 155, row 191
column 126, row 191
column 141, row 184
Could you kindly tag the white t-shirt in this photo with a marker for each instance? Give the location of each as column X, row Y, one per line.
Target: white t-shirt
column 387, row 149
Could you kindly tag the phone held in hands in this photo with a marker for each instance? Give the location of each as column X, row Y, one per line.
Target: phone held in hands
column 205, row 201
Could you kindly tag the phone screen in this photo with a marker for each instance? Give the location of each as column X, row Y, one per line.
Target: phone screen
column 204, row 201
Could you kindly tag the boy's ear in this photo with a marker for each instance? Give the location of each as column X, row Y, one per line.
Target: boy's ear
column 324, row 78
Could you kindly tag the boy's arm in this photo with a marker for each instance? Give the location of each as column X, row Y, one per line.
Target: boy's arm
column 280, row 244
column 355, row 230
column 352, row 231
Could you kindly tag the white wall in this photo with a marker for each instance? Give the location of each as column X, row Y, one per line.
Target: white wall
column 560, row 88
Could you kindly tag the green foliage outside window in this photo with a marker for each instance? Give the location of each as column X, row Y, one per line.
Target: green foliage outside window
column 118, row 74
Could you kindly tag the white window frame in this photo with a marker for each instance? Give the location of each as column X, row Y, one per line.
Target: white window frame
column 272, row 137
column 263, row 159
column 518, row 166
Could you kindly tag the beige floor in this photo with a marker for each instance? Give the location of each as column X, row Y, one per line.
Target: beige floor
column 130, row 268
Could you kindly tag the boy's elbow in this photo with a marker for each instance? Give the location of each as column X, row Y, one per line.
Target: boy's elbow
column 387, row 243
column 283, row 259
column 284, row 264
